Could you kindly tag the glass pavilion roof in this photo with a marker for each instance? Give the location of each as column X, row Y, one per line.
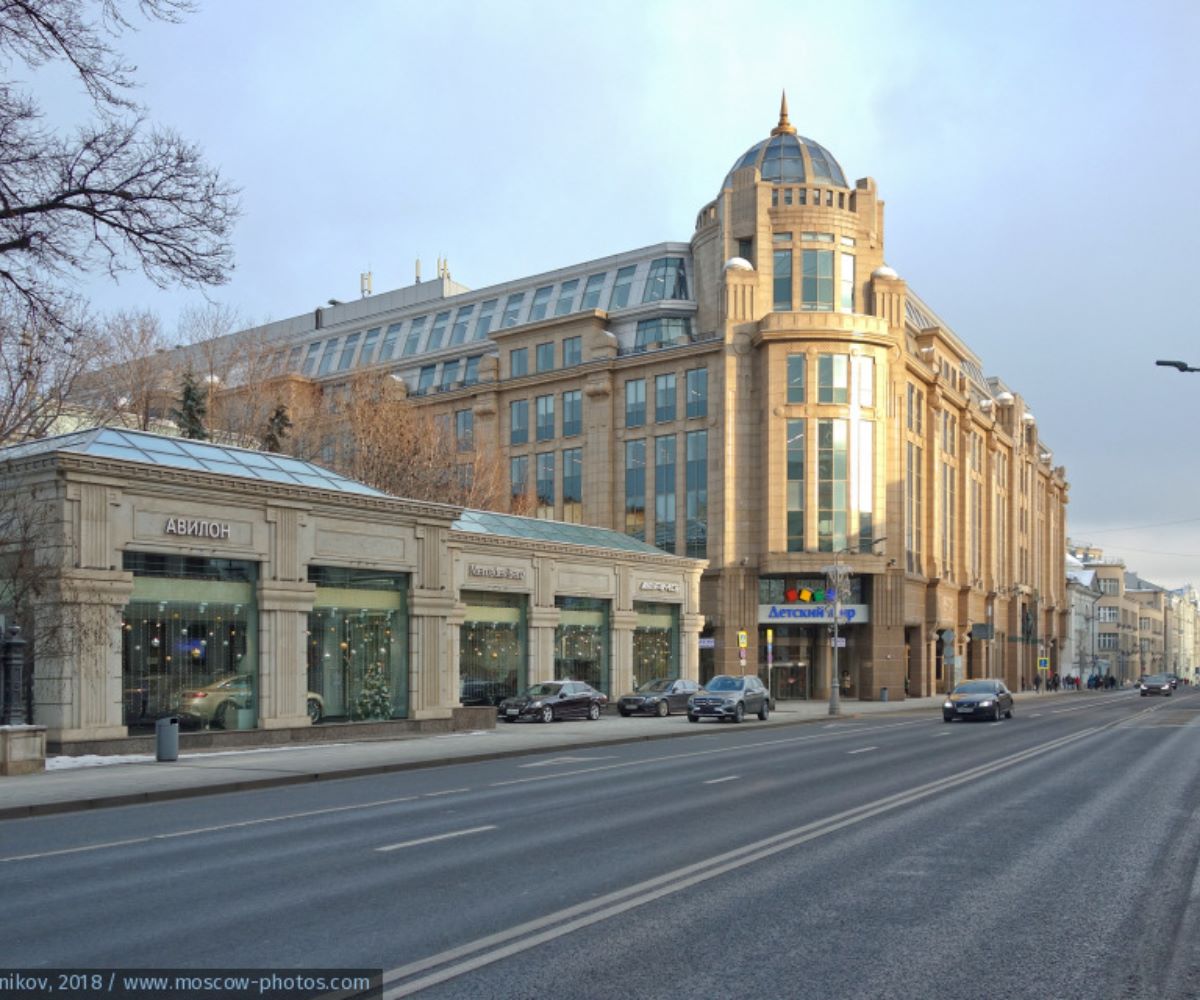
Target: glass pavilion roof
column 195, row 456
column 536, row 529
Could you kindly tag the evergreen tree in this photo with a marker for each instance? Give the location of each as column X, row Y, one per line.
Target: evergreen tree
column 374, row 701
column 278, row 425
column 192, row 409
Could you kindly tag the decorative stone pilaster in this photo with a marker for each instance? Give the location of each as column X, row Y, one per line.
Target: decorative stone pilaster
column 429, row 655
column 284, row 606
column 623, row 624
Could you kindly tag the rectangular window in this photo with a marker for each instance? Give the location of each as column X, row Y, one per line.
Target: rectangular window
column 862, row 485
column 635, row 489
column 545, row 485
column 832, row 484
column 437, row 331
column 795, row 378
column 471, row 374
column 667, row 280
column 413, row 340
column 833, row 378
column 572, row 350
column 462, row 319
column 863, row 393
column 518, row 421
column 662, row 331
column 512, row 309
column 914, row 509
column 591, row 292
column 572, row 486
column 696, row 500
column 368, row 351
column 328, row 357
column 310, row 359
column 816, row 285
column 697, row 393
column 664, row 493
column 795, row 485
column 783, row 281
column 787, row 196
column 541, row 303
column 664, row 398
column 1106, row 614
column 572, row 412
column 545, row 418
column 745, row 249
column 464, row 429
column 518, row 362
column 949, row 522
column 544, row 357
column 781, row 237
column 635, row 402
column 450, row 373
column 619, row 297
column 388, row 347
column 846, row 279
column 566, row 297
column 483, row 325
column 425, row 379
column 518, row 475
column 817, row 237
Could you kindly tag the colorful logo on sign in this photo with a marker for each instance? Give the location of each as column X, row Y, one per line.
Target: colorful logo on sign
column 804, row 595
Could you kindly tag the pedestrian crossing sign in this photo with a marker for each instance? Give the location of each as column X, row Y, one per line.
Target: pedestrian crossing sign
column 1043, row 663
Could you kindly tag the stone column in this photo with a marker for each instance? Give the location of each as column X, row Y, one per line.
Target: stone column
column 623, row 624
column 542, row 623
column 283, row 606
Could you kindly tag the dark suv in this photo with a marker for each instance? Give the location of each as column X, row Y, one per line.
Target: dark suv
column 730, row 697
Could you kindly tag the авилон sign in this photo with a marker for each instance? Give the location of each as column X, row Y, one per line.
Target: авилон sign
column 196, row 527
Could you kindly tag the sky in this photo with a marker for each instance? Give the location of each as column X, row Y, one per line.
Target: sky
column 1037, row 160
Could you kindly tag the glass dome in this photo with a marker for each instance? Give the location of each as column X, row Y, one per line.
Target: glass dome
column 787, row 158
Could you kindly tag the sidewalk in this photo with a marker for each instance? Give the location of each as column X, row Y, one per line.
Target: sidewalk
column 72, row 784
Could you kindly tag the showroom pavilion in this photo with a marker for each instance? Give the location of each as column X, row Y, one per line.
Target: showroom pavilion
column 771, row 397
column 240, row 589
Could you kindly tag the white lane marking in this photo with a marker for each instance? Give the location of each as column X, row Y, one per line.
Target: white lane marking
column 566, row 760
column 862, row 750
column 208, row 829
column 717, row 781
column 944, row 732
column 448, row 791
column 458, row 961
column 440, row 836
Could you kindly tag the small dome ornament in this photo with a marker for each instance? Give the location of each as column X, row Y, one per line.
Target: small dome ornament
column 738, row 264
column 884, row 272
column 784, row 127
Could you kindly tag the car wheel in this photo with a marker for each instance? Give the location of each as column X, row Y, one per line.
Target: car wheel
column 625, row 713
column 1143, row 694
column 224, row 716
column 999, row 714
column 764, row 713
column 1009, row 713
column 314, row 710
column 547, row 714
column 739, row 713
column 693, row 718
column 508, row 719
column 593, row 712
column 947, row 718
column 663, row 709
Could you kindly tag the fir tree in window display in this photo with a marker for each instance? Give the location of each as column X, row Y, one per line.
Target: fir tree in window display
column 374, row 701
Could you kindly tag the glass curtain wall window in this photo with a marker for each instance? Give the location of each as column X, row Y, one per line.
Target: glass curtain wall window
column 413, row 340
column 846, row 281
column 697, row 393
column 310, row 359
column 833, row 378
column 832, row 484
column 437, row 331
column 581, row 641
column 541, row 303
column 388, row 347
column 816, row 286
column 545, row 418
column 492, row 647
column 347, row 357
column 328, row 357
column 696, row 499
column 483, row 325
column 566, row 298
column 518, row 421
column 190, row 642
column 655, row 641
column 664, row 492
column 591, row 292
column 667, row 280
column 635, row 489
column 512, row 310
column 665, row 331
column 795, row 378
column 545, row 485
column 635, row 402
column 619, row 297
column 462, row 319
column 358, row 644
column 368, row 348
column 572, row 486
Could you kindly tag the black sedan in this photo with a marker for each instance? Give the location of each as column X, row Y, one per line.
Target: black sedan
column 660, row 697
column 552, row 700
column 1156, row 684
column 986, row 699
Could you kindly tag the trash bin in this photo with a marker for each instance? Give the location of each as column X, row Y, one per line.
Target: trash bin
column 166, row 738
column 883, row 694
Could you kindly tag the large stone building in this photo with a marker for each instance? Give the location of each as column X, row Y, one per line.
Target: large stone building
column 770, row 396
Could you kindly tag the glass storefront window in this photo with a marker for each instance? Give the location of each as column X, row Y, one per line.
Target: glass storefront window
column 190, row 642
column 492, row 648
column 655, row 641
column 358, row 644
column 581, row 642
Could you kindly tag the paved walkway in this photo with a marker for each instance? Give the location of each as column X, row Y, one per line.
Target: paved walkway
column 71, row 783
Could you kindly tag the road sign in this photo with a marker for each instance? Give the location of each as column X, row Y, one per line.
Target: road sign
column 839, row 642
column 743, row 639
column 1043, row 663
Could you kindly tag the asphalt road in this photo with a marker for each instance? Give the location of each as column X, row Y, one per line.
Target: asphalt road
column 1052, row 855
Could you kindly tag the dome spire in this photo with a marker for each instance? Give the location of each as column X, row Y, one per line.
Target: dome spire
column 784, row 125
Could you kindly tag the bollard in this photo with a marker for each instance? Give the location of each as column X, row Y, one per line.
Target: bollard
column 166, row 738
column 883, row 694
column 13, row 670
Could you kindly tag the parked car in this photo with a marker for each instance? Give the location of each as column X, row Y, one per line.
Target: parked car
column 1174, row 679
column 552, row 700
column 983, row 699
column 1156, row 684
column 730, row 697
column 660, row 697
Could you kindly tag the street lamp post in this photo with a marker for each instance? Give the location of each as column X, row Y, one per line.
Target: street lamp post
column 1182, row 366
column 837, row 575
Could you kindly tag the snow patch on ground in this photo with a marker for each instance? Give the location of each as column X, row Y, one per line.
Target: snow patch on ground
column 66, row 763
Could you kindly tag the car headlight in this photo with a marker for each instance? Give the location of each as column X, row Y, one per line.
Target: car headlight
column 536, row 704
column 731, row 701
column 948, row 704
column 985, row 704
